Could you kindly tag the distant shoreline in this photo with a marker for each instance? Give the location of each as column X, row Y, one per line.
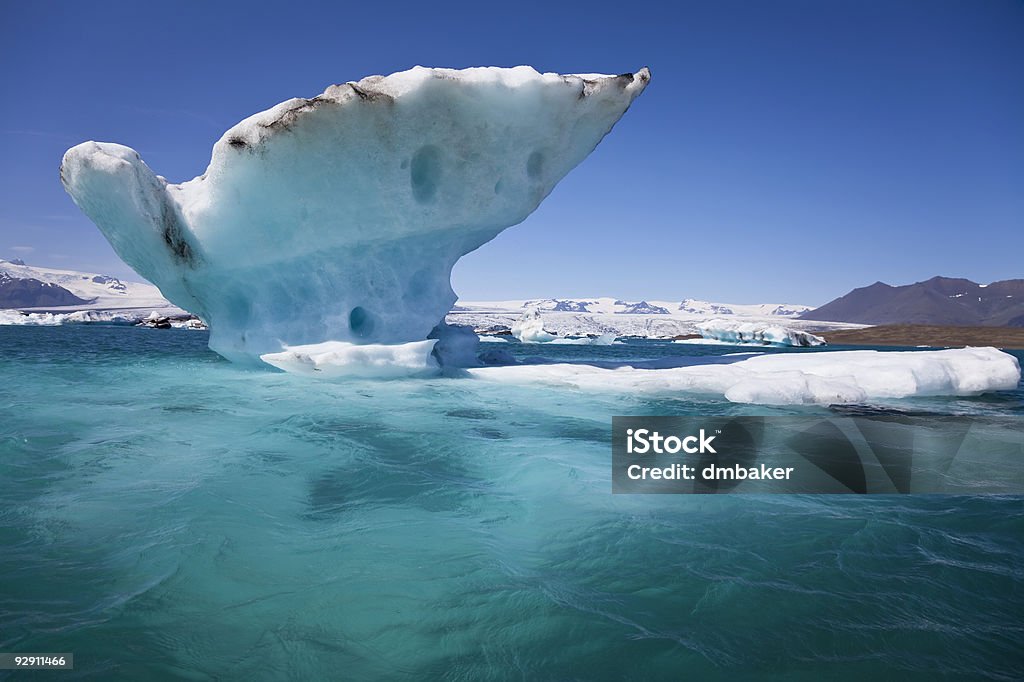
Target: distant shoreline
column 928, row 335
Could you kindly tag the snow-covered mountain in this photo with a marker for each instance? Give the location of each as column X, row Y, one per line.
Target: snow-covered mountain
column 17, row 292
column 37, row 296
column 696, row 307
column 93, row 291
column 607, row 305
column 641, row 308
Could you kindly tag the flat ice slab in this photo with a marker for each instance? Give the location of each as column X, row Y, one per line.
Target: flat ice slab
column 334, row 359
column 823, row 378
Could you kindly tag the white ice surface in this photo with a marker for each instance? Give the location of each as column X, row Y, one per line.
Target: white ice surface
column 339, row 218
column 830, row 377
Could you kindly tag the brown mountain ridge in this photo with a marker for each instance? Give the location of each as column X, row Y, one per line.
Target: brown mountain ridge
column 938, row 301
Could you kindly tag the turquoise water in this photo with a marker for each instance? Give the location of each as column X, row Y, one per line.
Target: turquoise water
column 167, row 515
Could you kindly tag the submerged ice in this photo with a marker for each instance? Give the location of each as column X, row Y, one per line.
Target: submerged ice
column 339, row 218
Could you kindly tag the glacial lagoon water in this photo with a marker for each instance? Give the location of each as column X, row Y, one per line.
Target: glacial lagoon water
column 165, row 514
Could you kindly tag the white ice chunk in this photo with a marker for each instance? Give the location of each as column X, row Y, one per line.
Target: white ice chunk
column 794, row 378
column 339, row 218
column 530, row 328
column 332, row 359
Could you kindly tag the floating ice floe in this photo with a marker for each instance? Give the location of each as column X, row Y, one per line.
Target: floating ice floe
column 728, row 331
column 600, row 340
column 792, row 378
column 339, row 218
column 333, row 359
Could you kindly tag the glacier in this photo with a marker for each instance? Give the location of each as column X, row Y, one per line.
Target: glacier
column 338, row 219
column 595, row 316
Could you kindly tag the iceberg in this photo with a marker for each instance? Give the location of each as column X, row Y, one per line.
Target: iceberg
column 832, row 377
column 755, row 333
column 339, row 218
column 530, row 328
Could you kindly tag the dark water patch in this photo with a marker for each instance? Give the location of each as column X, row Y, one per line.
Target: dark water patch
column 187, row 409
column 388, row 468
column 490, row 434
column 470, row 413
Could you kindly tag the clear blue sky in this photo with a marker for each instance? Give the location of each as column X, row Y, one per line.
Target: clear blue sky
column 785, row 151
